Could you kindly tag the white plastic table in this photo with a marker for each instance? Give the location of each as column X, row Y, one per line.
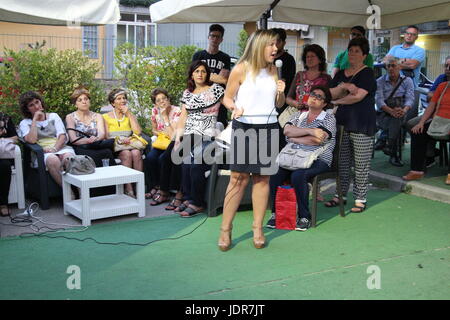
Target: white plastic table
column 87, row 209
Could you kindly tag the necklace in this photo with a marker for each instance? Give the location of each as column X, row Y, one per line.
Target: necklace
column 118, row 121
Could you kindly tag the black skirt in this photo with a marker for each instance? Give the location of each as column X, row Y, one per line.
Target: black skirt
column 254, row 148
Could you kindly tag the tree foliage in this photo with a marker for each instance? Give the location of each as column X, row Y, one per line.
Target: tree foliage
column 54, row 74
column 143, row 69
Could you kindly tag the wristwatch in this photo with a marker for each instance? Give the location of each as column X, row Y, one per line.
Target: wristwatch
column 167, row 124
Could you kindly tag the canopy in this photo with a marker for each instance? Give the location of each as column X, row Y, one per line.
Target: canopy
column 336, row 13
column 60, row 12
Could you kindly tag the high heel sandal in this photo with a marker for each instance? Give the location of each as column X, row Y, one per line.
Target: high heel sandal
column 261, row 241
column 224, row 246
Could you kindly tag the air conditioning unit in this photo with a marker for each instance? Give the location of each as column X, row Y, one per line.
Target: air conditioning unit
column 307, row 34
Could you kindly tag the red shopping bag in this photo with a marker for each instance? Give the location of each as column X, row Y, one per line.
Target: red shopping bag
column 285, row 208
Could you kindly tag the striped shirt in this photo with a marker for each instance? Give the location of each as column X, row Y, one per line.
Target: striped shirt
column 325, row 120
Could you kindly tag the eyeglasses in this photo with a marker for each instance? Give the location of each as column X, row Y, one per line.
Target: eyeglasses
column 410, row 34
column 391, row 66
column 217, row 36
column 317, row 96
column 164, row 99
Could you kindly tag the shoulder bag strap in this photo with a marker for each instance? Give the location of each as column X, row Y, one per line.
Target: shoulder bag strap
column 396, row 87
column 359, row 70
column 440, row 98
column 80, row 132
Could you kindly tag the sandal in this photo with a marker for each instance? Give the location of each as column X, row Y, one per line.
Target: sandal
column 190, row 212
column 173, row 205
column 333, row 203
column 151, row 194
column 5, row 211
column 159, row 198
column 359, row 209
column 130, row 194
column 182, row 207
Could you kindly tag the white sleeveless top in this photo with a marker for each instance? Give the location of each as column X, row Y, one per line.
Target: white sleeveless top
column 257, row 97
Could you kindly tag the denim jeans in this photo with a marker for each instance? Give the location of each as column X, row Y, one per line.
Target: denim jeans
column 299, row 180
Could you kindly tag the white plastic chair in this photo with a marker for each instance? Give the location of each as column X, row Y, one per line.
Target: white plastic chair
column 16, row 189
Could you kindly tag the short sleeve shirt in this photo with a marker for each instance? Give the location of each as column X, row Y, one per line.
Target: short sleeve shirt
column 202, row 109
column 341, row 62
column 216, row 62
column 444, row 108
column 25, row 125
column 325, row 120
column 359, row 117
column 413, row 52
column 174, row 115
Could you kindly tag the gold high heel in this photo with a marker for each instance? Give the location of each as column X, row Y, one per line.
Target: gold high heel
column 261, row 241
column 225, row 245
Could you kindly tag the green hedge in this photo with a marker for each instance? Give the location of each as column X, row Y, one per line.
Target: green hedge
column 54, row 74
column 143, row 69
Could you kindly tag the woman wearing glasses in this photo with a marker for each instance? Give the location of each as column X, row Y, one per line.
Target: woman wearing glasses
column 315, row 130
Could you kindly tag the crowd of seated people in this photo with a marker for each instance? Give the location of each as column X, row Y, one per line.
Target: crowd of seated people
column 352, row 91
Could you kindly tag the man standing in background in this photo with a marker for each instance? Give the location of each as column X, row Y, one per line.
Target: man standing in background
column 287, row 72
column 218, row 61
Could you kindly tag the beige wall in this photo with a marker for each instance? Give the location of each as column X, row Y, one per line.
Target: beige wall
column 17, row 36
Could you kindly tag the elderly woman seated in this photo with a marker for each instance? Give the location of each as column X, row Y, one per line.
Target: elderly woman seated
column 419, row 136
column 311, row 131
column 121, row 122
column 45, row 129
column 86, row 129
column 163, row 173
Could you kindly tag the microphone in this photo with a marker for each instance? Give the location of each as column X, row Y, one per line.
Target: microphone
column 279, row 64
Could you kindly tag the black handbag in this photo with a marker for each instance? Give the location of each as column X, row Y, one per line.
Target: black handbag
column 102, row 144
column 394, row 102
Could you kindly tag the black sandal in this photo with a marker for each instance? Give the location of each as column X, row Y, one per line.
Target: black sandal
column 181, row 207
column 358, row 209
column 172, row 205
column 333, row 203
column 191, row 212
column 159, row 198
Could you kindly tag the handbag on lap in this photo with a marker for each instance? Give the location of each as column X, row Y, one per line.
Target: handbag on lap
column 439, row 128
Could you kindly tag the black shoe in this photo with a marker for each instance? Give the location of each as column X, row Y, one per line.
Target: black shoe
column 430, row 162
column 380, row 144
column 271, row 223
column 395, row 161
column 303, row 224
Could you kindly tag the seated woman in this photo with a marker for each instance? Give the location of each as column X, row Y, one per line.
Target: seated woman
column 121, row 122
column 90, row 123
column 419, row 136
column 316, row 129
column 7, row 132
column 164, row 119
column 199, row 109
column 45, row 129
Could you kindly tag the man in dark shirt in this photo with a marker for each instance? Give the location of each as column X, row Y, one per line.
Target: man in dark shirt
column 218, row 61
column 287, row 72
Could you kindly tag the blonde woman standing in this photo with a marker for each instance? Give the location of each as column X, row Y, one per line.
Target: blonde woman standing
column 253, row 93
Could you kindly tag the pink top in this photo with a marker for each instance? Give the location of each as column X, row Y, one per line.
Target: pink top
column 157, row 119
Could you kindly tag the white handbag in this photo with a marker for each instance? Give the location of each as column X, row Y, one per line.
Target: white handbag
column 7, row 148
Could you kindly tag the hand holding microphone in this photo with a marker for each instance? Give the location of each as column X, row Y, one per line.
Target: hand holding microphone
column 281, row 85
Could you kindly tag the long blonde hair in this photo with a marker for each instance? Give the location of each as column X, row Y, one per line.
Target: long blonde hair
column 253, row 58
